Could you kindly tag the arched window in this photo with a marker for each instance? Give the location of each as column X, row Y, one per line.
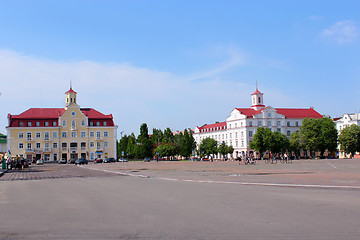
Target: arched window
column 259, row 100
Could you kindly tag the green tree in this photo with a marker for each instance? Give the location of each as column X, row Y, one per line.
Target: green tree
column 187, row 144
column 122, row 145
column 328, row 135
column 144, row 144
column 208, row 146
column 165, row 150
column 310, row 131
column 230, row 150
column 131, row 146
column 168, row 136
column 223, row 149
column 295, row 143
column 349, row 139
column 262, row 140
column 279, row 142
column 156, row 137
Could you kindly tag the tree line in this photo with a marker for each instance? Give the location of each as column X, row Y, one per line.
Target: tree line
column 315, row 136
column 159, row 144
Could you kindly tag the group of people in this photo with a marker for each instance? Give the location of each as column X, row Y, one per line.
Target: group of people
column 247, row 159
column 16, row 163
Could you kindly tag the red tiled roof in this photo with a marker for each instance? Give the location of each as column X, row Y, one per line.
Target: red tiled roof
column 257, row 92
column 299, row 112
column 70, row 91
column 92, row 113
column 287, row 112
column 216, row 126
column 40, row 113
column 54, row 113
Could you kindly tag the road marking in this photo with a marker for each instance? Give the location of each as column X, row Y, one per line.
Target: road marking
column 238, row 183
column 331, row 164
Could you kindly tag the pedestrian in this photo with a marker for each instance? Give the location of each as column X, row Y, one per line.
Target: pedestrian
column 239, row 158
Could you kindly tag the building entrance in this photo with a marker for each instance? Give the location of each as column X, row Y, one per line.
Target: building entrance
column 64, row 155
column 37, row 156
column 74, row 156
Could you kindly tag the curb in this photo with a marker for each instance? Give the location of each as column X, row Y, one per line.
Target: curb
column 2, row 172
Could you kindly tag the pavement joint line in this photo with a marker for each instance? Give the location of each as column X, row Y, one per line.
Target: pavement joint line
column 331, row 164
column 238, row 183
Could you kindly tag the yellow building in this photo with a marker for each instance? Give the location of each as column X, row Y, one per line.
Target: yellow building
column 53, row 133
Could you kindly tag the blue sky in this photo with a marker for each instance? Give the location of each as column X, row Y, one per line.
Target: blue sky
column 179, row 64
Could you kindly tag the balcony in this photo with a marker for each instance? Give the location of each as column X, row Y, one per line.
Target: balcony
column 28, row 150
column 47, row 139
column 73, row 128
column 47, row 149
column 29, row 139
column 83, row 149
column 73, row 148
column 64, row 149
column 99, row 138
column 99, row 148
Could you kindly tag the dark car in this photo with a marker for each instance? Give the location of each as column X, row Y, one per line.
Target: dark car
column 81, row 161
column 147, row 159
column 98, row 160
column 62, row 161
column 72, row 161
column 108, row 160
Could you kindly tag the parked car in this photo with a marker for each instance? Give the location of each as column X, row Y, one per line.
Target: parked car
column 72, row 161
column 123, row 160
column 62, row 161
column 39, row 162
column 81, row 161
column 98, row 160
column 146, row 159
column 108, row 160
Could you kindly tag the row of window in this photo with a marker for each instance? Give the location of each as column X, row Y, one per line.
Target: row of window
column 47, row 156
column 63, row 145
column 260, row 124
column 64, row 123
column 63, row 134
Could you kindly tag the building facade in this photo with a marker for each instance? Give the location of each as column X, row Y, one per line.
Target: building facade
column 345, row 121
column 239, row 128
column 54, row 133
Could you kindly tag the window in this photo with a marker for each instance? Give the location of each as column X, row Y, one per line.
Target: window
column 55, row 157
column 83, row 123
column 288, row 123
column 21, row 124
column 64, row 123
column 97, row 123
column 38, row 145
column 73, row 134
column 92, row 134
column 236, row 143
column 82, row 134
column 64, row 135
column 29, row 124
column 230, row 125
column 296, row 123
column 242, row 134
column 250, row 124
column 46, row 124
column 259, row 123
column 47, row 136
column 230, row 135
column 28, row 135
column 241, row 124
column 250, row 133
column 91, row 123
column 64, row 145
column 235, row 134
column 288, row 133
column 98, row 134
column 92, row 156
column 279, row 129
column 38, row 135
column 21, row 135
column 106, row 134
column 104, row 123
column 37, row 124
column 54, row 134
column 278, row 123
column 235, row 125
column 73, row 124
column 54, row 124
column 47, row 145
column 269, row 123
column 54, row 145
column 106, row 144
column 92, row 144
column 28, row 146
column 242, row 143
column 21, row 145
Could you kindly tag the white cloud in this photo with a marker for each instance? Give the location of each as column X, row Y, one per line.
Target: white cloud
column 133, row 95
column 341, row 32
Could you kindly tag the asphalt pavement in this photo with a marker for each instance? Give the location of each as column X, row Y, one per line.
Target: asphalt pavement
column 125, row 207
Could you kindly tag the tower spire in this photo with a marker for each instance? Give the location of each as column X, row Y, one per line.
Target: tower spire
column 256, row 85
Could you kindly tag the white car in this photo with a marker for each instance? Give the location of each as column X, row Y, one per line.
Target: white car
column 39, row 162
column 123, row 160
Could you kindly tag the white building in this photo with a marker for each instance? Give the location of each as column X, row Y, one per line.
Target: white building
column 239, row 128
column 345, row 121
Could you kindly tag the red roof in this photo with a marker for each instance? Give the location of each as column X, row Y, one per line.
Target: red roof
column 215, row 126
column 70, row 91
column 299, row 112
column 40, row 113
column 257, row 92
column 54, row 113
column 287, row 112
